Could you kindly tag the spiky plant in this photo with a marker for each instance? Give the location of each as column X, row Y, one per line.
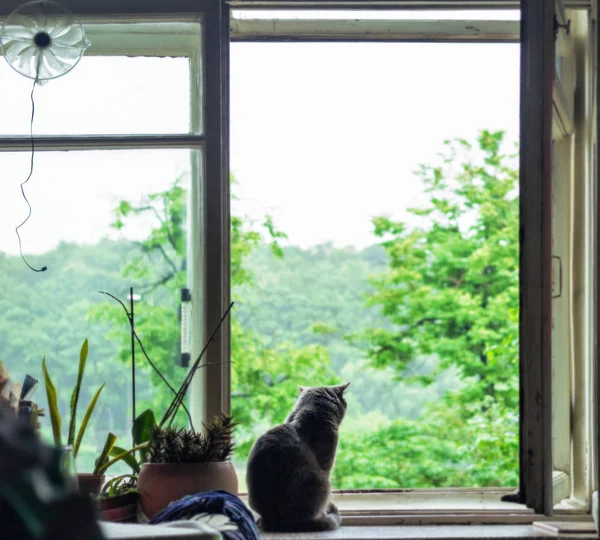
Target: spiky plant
column 171, row 445
column 219, row 438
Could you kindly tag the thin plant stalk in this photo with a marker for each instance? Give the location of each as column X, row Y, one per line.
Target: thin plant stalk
column 178, row 400
column 152, row 365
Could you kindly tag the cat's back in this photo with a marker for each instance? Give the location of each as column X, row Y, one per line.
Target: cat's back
column 280, row 441
column 279, row 459
column 281, row 468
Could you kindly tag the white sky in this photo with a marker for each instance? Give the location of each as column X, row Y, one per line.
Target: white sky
column 323, row 136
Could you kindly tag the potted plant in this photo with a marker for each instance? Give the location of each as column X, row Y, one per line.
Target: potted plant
column 179, row 462
column 88, row 483
column 118, row 499
column 182, row 462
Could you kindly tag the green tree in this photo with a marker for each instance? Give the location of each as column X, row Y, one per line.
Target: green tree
column 452, row 270
column 452, row 287
column 451, row 291
column 264, row 378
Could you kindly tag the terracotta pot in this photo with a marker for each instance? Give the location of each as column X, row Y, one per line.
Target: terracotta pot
column 90, row 484
column 162, row 483
column 122, row 508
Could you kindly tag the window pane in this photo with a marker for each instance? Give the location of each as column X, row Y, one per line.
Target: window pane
column 400, row 279
column 101, row 95
column 101, row 221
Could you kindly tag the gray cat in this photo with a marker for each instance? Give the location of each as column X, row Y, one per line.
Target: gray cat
column 289, row 466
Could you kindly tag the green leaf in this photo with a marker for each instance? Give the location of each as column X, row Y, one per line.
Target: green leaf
column 127, row 458
column 76, row 391
column 52, row 405
column 105, row 466
column 85, row 420
column 141, row 429
column 111, row 439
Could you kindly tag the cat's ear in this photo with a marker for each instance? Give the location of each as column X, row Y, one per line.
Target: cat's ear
column 301, row 388
column 343, row 387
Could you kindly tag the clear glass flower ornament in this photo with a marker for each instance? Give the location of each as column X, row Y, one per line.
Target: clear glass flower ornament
column 42, row 40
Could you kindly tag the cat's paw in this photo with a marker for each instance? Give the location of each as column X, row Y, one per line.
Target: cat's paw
column 332, row 509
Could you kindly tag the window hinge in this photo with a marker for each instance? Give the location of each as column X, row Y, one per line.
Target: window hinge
column 557, row 26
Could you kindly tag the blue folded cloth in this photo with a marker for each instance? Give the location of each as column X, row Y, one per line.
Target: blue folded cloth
column 218, row 509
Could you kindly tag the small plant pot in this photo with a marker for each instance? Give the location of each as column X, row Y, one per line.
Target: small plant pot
column 90, row 484
column 162, row 483
column 120, row 509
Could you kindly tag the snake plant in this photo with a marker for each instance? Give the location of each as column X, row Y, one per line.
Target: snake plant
column 74, row 436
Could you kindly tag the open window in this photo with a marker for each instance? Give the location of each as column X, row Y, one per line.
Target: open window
column 149, row 105
column 556, row 212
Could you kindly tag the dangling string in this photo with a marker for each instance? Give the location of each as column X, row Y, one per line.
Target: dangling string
column 35, row 82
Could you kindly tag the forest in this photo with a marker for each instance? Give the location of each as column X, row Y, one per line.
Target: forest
column 424, row 323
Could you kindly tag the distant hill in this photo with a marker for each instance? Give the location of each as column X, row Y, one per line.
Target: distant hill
column 46, row 314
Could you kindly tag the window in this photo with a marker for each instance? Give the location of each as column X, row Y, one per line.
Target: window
column 124, row 147
column 148, row 106
column 555, row 384
column 380, row 110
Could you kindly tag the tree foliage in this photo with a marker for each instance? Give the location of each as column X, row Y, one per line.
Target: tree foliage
column 452, row 286
column 424, row 325
column 264, row 379
column 451, row 291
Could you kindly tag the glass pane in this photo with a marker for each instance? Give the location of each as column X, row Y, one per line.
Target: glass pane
column 101, row 221
column 398, row 278
column 101, row 95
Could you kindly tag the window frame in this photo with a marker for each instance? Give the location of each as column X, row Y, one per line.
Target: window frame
column 209, row 224
column 576, row 414
column 210, row 270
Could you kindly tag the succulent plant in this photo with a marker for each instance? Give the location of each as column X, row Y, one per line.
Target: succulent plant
column 181, row 445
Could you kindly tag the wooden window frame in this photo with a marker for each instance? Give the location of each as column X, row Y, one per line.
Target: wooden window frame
column 208, row 132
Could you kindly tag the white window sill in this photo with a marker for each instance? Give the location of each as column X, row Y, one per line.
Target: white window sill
column 449, row 532
column 119, row 531
column 429, row 507
column 404, row 513
column 428, row 501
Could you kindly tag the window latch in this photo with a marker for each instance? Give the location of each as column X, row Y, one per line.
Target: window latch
column 557, row 27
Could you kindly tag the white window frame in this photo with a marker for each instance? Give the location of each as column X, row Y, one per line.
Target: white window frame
column 572, row 271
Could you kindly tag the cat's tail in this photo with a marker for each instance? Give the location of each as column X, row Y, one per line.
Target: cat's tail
column 327, row 522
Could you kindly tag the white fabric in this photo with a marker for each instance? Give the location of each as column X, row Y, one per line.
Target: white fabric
column 187, row 530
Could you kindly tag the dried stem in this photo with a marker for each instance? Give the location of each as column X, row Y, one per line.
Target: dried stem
column 178, row 401
column 139, row 341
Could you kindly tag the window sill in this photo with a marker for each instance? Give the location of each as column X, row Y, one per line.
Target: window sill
column 429, row 507
column 119, row 531
column 371, row 510
column 428, row 501
column 451, row 532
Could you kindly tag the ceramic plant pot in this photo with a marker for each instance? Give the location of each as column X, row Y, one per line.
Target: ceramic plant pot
column 162, row 483
column 90, row 484
column 122, row 508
